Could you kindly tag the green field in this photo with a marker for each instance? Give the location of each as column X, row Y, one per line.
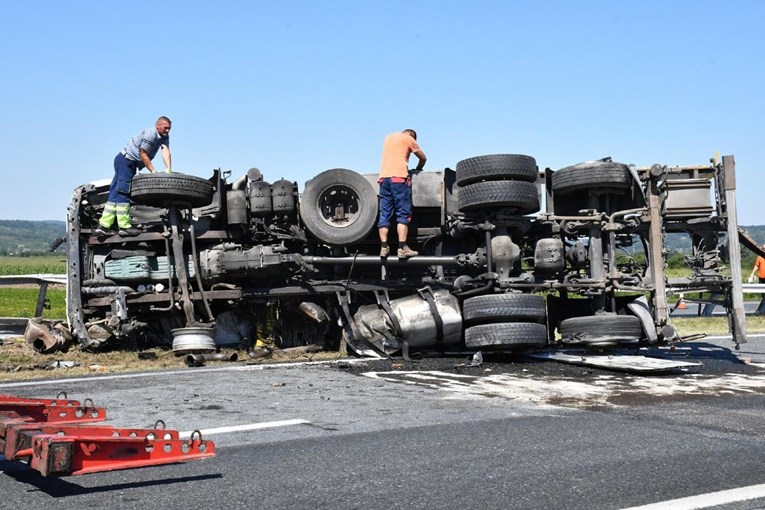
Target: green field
column 51, row 264
column 21, row 302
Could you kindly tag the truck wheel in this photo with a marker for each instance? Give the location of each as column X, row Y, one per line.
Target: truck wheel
column 596, row 176
column 503, row 308
column 506, row 335
column 339, row 207
column 165, row 189
column 601, row 329
column 518, row 195
column 497, row 167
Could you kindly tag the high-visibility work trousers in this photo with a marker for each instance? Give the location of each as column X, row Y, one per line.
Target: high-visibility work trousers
column 120, row 211
column 118, row 205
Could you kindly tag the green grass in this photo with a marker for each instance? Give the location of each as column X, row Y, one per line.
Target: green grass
column 715, row 325
column 51, row 264
column 21, row 302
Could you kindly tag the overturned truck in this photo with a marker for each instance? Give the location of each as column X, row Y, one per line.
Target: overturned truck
column 219, row 263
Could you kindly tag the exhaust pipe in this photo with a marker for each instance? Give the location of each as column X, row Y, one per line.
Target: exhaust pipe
column 198, row 360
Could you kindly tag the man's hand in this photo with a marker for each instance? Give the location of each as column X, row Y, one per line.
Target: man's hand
column 751, row 279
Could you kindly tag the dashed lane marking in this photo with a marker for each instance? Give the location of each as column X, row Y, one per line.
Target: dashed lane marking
column 244, row 428
column 708, row 500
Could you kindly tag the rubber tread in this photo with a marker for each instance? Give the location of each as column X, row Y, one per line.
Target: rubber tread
column 595, row 176
column 504, row 308
column 518, row 195
column 497, row 167
column 163, row 189
column 506, row 335
column 602, row 327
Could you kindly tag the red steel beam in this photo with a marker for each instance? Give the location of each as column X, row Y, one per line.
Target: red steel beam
column 53, row 410
column 53, row 436
column 54, row 455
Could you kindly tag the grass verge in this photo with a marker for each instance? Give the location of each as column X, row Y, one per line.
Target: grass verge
column 22, row 301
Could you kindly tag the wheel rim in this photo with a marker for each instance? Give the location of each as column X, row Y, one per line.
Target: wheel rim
column 339, row 205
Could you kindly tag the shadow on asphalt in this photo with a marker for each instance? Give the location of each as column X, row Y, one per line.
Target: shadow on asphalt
column 62, row 487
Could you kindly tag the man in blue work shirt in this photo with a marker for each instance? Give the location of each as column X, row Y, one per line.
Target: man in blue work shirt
column 138, row 154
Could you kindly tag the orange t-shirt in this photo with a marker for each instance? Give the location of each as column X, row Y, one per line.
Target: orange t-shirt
column 397, row 148
column 760, row 265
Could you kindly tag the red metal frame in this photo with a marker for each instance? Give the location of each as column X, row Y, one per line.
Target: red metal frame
column 58, row 410
column 51, row 436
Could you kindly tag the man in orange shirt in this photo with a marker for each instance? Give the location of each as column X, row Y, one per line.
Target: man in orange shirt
column 396, row 188
column 759, row 267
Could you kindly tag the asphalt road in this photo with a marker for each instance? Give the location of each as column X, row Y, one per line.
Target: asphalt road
column 510, row 433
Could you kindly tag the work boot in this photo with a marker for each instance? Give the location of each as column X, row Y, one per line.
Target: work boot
column 129, row 232
column 406, row 252
column 101, row 231
column 384, row 251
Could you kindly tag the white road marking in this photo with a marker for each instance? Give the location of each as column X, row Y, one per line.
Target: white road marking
column 707, row 500
column 244, row 428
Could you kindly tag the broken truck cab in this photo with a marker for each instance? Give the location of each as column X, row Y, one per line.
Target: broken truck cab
column 233, row 263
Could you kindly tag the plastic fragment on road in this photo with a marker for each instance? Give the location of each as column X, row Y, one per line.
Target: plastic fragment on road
column 55, row 438
column 626, row 363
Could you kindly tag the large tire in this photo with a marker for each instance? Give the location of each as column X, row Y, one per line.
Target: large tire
column 520, row 196
column 161, row 190
column 504, row 308
column 497, row 167
column 339, row 187
column 605, row 176
column 506, row 335
column 601, row 329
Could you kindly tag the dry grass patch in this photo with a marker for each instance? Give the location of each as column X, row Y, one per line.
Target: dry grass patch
column 20, row 363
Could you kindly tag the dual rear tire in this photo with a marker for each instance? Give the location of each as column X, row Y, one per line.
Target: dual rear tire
column 505, row 321
column 504, row 181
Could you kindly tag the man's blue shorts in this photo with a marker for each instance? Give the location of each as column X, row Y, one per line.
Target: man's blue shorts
column 395, row 199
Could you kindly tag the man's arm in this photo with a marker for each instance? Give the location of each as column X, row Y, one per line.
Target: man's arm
column 754, row 269
column 422, row 159
column 146, row 161
column 167, row 157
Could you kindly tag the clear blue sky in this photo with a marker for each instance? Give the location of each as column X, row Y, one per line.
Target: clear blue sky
column 298, row 87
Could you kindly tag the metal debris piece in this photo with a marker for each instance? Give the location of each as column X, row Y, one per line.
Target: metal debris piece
column 314, row 311
column 46, row 336
column 626, row 363
column 258, row 352
column 57, row 363
column 477, row 360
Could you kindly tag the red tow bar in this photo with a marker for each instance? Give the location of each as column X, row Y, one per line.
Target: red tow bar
column 53, row 437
